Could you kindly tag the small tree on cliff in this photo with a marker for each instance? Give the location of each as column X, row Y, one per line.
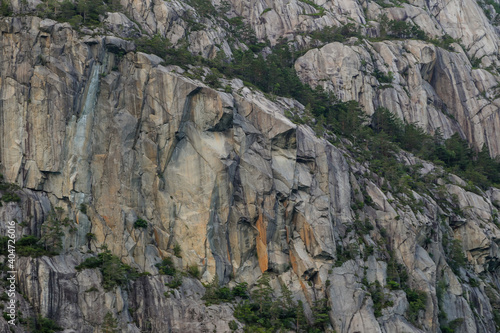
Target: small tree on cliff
column 52, row 231
column 5, row 8
column 110, row 324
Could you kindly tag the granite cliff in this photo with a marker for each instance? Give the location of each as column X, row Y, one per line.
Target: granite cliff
column 105, row 149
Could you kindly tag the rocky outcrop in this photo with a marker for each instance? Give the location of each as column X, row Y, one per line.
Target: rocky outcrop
column 433, row 87
column 430, row 86
column 226, row 182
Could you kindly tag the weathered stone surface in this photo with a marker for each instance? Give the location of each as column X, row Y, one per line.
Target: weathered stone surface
column 231, row 182
column 425, row 84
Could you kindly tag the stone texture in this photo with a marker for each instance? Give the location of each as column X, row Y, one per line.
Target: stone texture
column 234, row 183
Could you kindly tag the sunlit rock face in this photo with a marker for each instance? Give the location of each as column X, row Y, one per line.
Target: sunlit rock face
column 231, row 188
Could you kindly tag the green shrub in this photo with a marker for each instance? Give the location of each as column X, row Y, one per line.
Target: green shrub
column 241, row 290
column 177, row 251
column 10, row 197
column 452, row 325
column 397, row 275
column 31, row 246
column 76, row 21
column 383, row 78
column 212, row 79
column 203, row 7
column 402, row 29
column 321, row 10
column 390, row 133
column 215, row 294
column 416, row 300
column 345, row 254
column 363, row 228
column 393, row 285
column 233, row 326
column 156, row 45
column 90, row 236
column 379, row 298
column 52, row 230
column 166, row 267
column 4, row 241
column 496, row 318
column 444, row 42
column 140, row 223
column 263, row 313
column 5, row 9
column 90, row 263
column 87, row 12
column 320, row 314
column 162, row 47
column 455, row 255
column 176, row 282
column 474, row 283
column 336, row 34
column 194, row 271
column 42, row 325
column 224, row 293
column 114, row 272
column 83, row 208
column 110, row 324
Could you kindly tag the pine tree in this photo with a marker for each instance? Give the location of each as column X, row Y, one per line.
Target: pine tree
column 320, row 313
column 52, row 231
column 110, row 324
column 263, row 295
column 5, row 9
column 301, row 321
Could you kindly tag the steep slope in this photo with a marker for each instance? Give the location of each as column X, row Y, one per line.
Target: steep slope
column 153, row 164
column 435, row 87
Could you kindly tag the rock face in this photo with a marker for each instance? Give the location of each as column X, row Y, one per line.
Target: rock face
column 432, row 87
column 224, row 179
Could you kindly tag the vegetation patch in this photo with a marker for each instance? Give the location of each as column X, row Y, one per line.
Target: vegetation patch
column 336, row 34
column 5, row 9
column 166, row 267
column 50, row 242
column 10, row 197
column 86, row 12
column 403, row 29
column 350, row 252
column 114, row 272
column 7, row 191
column 40, row 324
column 31, row 246
column 177, row 251
column 382, row 77
column 321, row 10
column 455, row 256
column 140, row 223
column 216, row 294
column 194, row 271
column 390, row 134
column 176, row 282
column 417, row 300
column 110, row 324
column 262, row 313
column 380, row 298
